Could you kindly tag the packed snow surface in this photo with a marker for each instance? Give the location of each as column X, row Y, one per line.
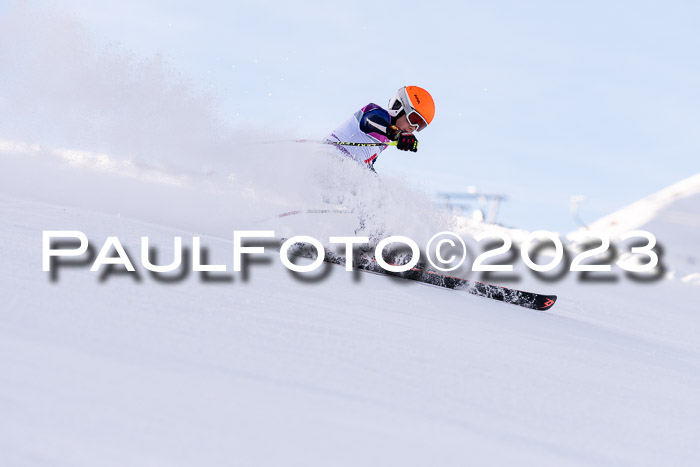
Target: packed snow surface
column 114, row 369
column 111, row 369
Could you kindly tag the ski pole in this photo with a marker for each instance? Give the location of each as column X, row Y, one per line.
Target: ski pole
column 346, row 143
column 338, row 143
column 342, row 143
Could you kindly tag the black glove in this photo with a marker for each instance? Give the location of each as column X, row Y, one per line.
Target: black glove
column 393, row 132
column 407, row 142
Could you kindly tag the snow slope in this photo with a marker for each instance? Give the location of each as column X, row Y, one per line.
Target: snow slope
column 673, row 216
column 344, row 371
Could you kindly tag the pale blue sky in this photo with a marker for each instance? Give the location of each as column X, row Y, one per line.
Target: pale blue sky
column 536, row 100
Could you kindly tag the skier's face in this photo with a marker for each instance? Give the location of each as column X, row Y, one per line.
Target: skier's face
column 403, row 124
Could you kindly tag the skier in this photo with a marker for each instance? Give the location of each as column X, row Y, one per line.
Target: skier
column 411, row 109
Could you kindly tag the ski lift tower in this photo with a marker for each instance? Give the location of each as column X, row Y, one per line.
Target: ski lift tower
column 459, row 203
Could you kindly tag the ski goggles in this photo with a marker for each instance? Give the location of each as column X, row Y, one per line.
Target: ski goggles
column 416, row 120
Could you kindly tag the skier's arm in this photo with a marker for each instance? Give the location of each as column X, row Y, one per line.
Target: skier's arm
column 375, row 120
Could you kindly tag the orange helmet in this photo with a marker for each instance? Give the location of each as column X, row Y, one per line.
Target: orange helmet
column 416, row 103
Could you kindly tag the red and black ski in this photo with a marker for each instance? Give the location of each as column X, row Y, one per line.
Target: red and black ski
column 367, row 263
